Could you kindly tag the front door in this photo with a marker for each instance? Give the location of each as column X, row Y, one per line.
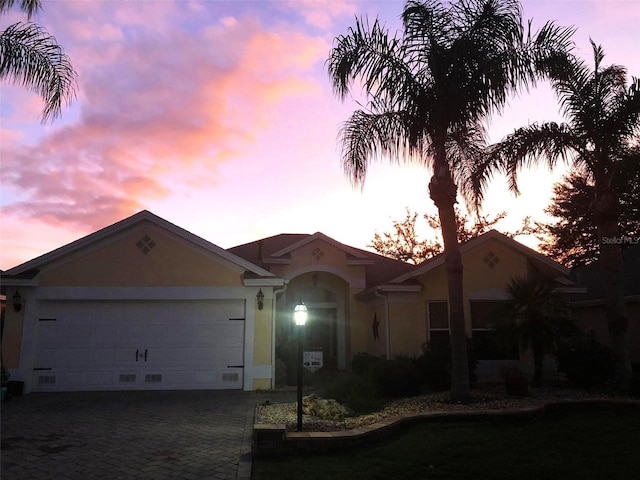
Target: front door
column 321, row 334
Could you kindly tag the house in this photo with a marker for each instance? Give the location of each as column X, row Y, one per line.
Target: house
column 590, row 307
column 145, row 304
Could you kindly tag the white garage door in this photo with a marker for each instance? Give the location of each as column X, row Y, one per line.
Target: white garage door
column 146, row 345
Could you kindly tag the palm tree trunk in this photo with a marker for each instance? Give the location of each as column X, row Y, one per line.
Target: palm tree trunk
column 538, row 361
column 606, row 206
column 443, row 190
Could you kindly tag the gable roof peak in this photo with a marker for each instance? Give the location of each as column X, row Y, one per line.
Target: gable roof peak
column 475, row 242
column 122, row 225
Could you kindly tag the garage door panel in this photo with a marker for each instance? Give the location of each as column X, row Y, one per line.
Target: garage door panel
column 49, row 358
column 51, row 333
column 77, row 357
column 204, row 356
column 230, row 356
column 76, row 379
column 130, row 334
column 223, row 377
column 101, row 345
column 78, row 335
column 100, row 380
column 103, row 335
column 164, row 356
column 107, row 357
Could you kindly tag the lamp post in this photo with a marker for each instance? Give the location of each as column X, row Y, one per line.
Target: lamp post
column 300, row 318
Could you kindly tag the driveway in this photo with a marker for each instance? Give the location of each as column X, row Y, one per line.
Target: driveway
column 128, row 435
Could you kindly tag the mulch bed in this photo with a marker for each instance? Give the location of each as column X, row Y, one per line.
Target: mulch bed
column 485, row 397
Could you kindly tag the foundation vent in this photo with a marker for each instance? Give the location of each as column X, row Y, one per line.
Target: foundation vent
column 46, row 379
column 230, row 377
column 153, row 378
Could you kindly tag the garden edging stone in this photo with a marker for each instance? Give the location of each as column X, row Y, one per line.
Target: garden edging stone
column 273, row 440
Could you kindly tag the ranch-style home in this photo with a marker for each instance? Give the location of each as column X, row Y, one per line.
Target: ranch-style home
column 145, row 304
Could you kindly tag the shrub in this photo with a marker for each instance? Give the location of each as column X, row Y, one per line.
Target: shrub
column 326, row 409
column 395, row 378
column 516, row 381
column 356, row 393
column 362, row 363
column 586, row 362
column 434, row 364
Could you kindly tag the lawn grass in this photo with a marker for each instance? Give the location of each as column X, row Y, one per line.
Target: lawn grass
column 594, row 443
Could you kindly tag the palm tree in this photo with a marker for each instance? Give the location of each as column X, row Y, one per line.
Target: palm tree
column 535, row 317
column 31, row 57
column 602, row 133
column 428, row 92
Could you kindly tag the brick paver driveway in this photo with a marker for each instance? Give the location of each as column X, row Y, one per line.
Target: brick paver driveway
column 128, row 435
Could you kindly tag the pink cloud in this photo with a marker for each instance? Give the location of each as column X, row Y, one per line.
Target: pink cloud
column 156, row 109
column 321, row 14
column 28, row 240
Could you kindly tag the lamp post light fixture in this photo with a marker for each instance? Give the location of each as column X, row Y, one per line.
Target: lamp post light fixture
column 260, row 298
column 300, row 318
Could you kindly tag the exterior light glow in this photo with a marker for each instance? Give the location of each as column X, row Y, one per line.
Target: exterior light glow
column 300, row 314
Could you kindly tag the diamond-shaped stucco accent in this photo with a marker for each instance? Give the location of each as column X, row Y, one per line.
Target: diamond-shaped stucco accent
column 146, row 244
column 491, row 259
column 317, row 253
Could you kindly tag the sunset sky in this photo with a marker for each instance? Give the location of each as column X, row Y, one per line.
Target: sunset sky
column 219, row 117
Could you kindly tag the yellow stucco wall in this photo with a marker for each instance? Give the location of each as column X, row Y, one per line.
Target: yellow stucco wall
column 261, row 383
column 374, row 346
column 360, row 318
column 319, row 255
column 408, row 332
column 262, row 334
column 408, row 320
column 170, row 263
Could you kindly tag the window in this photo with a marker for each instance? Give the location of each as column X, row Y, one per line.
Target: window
column 486, row 345
column 437, row 320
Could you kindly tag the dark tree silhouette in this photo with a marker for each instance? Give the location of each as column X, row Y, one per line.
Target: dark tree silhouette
column 602, row 133
column 428, row 91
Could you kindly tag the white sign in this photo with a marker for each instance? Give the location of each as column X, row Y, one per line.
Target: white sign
column 312, row 361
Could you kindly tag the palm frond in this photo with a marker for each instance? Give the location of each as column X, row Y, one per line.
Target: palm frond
column 622, row 123
column 370, row 136
column 466, row 151
column 528, row 145
column 31, row 57
column 369, row 53
column 30, row 7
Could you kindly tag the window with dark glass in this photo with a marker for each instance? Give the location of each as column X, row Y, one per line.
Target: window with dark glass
column 437, row 320
column 487, row 345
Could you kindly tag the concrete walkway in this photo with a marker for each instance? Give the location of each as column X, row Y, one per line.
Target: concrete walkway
column 128, row 435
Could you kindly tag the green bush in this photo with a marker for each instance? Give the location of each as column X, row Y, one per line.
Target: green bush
column 395, row 378
column 358, row 394
column 586, row 362
column 326, row 409
column 434, row 364
column 362, row 363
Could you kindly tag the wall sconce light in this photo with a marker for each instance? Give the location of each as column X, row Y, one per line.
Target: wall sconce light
column 17, row 301
column 260, row 297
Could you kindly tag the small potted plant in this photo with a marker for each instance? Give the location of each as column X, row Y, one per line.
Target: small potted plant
column 4, row 380
column 515, row 381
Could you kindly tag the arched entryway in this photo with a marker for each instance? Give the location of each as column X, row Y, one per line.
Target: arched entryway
column 326, row 297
